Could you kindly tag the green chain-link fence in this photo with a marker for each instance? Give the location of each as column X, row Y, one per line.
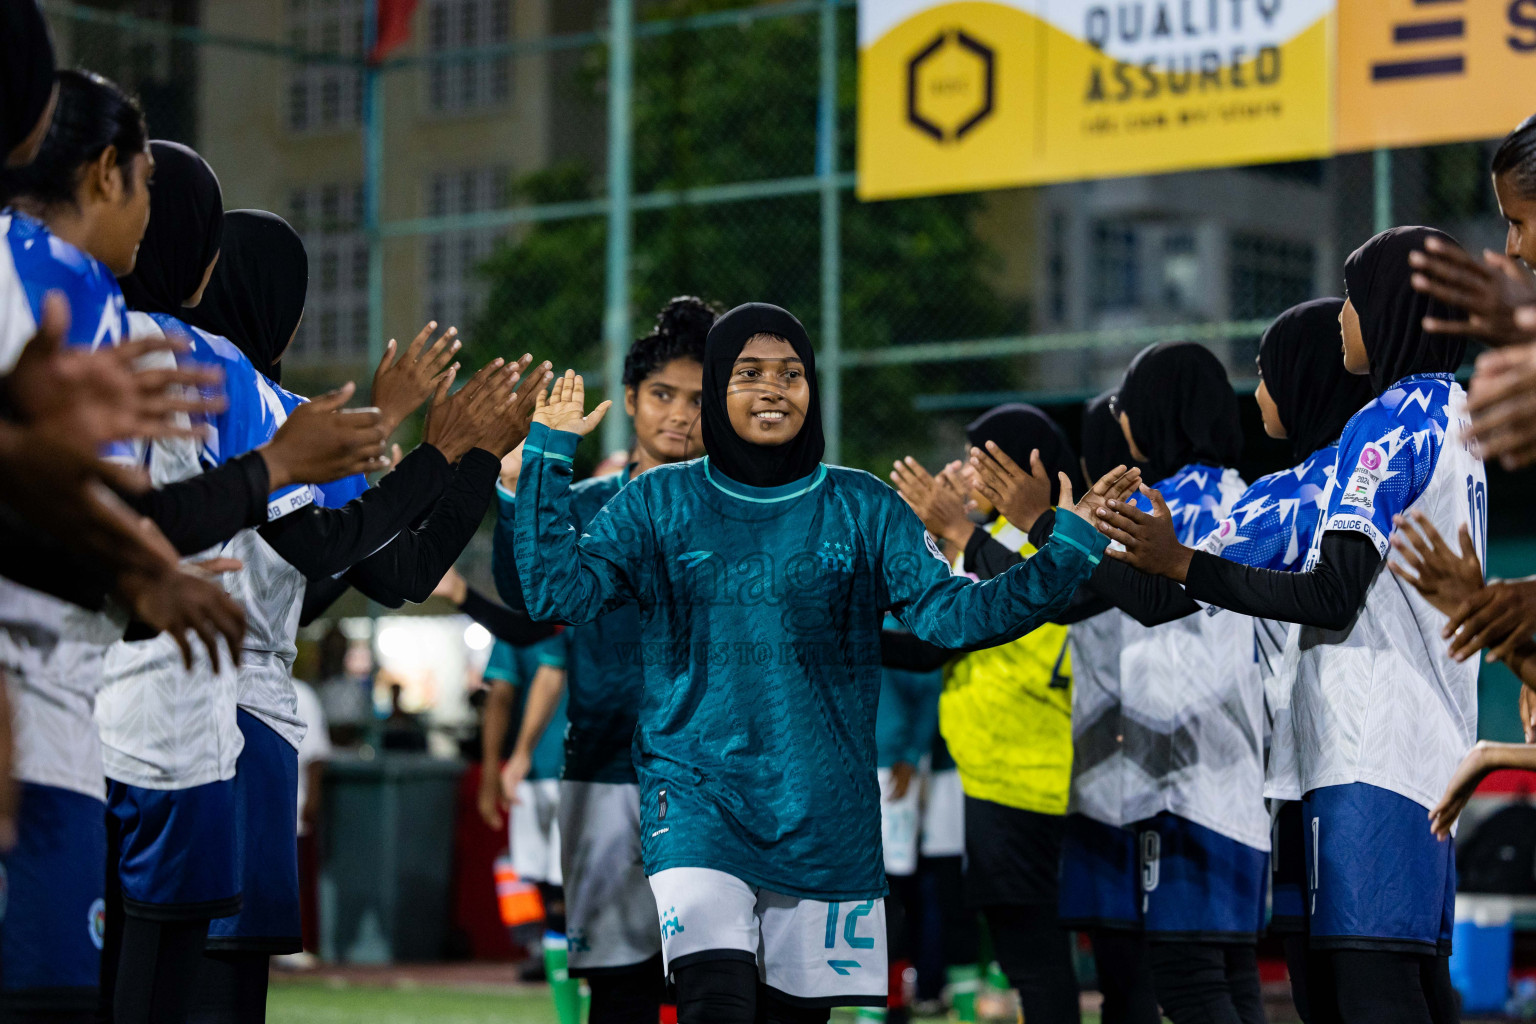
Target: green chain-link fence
column 494, row 134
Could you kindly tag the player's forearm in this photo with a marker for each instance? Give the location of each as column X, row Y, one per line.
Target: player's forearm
column 208, row 509
column 956, row 615
column 1328, row 597
column 504, row 552
column 493, row 725
column 1493, row 757
column 539, row 710
column 557, row 582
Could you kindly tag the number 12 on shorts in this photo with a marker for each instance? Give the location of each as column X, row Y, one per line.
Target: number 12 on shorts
column 850, row 925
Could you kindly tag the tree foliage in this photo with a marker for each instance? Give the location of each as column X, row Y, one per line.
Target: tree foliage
column 732, row 104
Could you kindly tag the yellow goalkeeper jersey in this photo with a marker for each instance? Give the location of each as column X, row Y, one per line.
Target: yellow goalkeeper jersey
column 1006, row 712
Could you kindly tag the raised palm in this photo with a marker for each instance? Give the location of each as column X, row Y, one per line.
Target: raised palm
column 563, row 407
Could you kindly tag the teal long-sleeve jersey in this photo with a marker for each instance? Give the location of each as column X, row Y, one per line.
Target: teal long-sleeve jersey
column 760, row 615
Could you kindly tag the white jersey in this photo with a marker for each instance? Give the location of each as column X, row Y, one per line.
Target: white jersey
column 1098, row 737
column 1382, row 702
column 1193, row 715
column 52, row 650
column 163, row 727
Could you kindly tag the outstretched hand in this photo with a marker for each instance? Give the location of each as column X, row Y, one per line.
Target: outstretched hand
column 1446, row 578
column 1021, row 497
column 1489, row 292
column 937, row 501
column 1502, row 401
column 1500, row 616
column 401, row 385
column 1148, row 540
column 563, row 408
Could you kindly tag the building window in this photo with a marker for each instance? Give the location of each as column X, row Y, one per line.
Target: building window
column 455, row 293
column 1115, row 278
column 325, row 97
column 1269, row 275
column 464, row 85
column 335, row 327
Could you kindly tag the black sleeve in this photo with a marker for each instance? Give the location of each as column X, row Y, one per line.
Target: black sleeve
column 38, row 560
column 515, row 628
column 1328, row 597
column 321, row 542
column 320, row 595
column 197, row 513
column 412, row 564
column 987, row 558
column 900, row 649
column 1150, row 600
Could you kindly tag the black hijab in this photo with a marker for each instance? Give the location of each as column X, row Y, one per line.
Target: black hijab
column 1019, row 429
column 757, row 465
column 1377, row 281
column 1181, row 407
column 186, row 223
column 256, row 297
column 1104, row 445
column 26, row 71
column 1300, row 363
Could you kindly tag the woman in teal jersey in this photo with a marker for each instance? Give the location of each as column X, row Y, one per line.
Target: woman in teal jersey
column 762, row 577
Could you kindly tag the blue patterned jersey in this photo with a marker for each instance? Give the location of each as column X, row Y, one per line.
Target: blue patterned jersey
column 1191, row 709
column 33, row 263
column 1271, row 525
column 1382, row 702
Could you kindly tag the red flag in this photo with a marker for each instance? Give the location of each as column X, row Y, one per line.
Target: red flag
column 393, row 18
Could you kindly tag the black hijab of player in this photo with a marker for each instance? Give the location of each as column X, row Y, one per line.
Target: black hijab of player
column 1377, row 279
column 753, row 464
column 1018, row 429
column 26, row 72
column 1299, row 362
column 186, row 224
column 1104, row 445
column 1181, row 408
column 256, row 297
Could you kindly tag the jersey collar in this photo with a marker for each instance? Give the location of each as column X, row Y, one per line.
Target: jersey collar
column 766, row 495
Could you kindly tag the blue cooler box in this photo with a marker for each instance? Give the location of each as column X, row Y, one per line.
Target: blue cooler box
column 1482, row 943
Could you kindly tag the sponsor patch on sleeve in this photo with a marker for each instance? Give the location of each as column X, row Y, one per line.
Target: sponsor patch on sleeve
column 1368, row 474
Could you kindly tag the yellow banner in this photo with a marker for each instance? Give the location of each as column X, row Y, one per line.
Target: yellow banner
column 1416, row 73
column 970, row 95
column 959, row 96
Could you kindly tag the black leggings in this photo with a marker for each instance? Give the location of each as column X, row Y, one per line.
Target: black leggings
column 1035, row 953
column 1207, row 982
column 157, row 970
column 1376, row 987
column 1297, row 966
column 1125, row 977
column 231, row 989
column 728, row 992
column 630, row 996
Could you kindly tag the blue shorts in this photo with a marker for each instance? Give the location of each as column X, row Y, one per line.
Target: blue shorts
column 178, row 859
column 1288, row 873
column 1378, row 877
column 52, row 911
column 267, row 828
column 1199, row 886
column 1099, row 876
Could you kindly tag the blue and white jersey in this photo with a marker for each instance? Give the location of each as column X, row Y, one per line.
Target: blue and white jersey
column 33, row 263
column 1382, row 702
column 1192, row 711
column 52, row 649
column 161, row 726
column 1271, row 527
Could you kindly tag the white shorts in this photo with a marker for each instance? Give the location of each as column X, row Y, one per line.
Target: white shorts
column 534, row 831
column 610, row 914
column 943, row 814
column 813, row 953
column 898, row 825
